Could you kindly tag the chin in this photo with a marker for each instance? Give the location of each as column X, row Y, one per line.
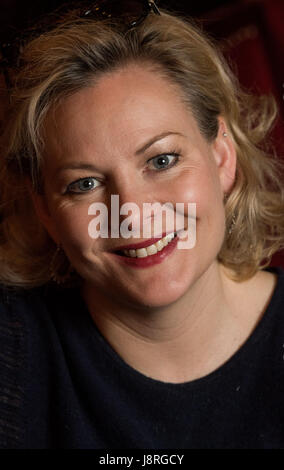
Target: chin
column 153, row 298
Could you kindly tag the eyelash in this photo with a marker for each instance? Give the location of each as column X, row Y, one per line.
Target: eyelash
column 175, row 154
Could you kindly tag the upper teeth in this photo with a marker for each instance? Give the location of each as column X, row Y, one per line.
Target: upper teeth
column 151, row 249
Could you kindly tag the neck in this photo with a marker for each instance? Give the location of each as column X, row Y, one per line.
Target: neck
column 177, row 342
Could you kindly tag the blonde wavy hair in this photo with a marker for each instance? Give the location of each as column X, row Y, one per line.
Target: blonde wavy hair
column 72, row 56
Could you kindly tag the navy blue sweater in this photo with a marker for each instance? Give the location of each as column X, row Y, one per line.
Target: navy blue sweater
column 63, row 386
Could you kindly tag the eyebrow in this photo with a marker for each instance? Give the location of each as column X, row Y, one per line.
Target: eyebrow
column 88, row 166
column 155, row 139
column 77, row 166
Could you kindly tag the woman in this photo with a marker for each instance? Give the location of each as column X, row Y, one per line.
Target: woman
column 104, row 347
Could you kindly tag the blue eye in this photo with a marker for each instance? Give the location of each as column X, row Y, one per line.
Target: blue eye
column 83, row 185
column 165, row 161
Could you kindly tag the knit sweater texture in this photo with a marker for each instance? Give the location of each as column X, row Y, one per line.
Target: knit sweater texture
column 62, row 385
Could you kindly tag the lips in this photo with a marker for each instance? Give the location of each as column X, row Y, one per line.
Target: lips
column 148, row 261
column 144, row 244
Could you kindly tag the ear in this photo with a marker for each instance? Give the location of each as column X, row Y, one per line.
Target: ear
column 41, row 208
column 225, row 157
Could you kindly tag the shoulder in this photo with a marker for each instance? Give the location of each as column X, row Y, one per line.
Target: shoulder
column 258, row 301
column 268, row 289
column 26, row 335
column 26, row 311
column 264, row 287
column 17, row 296
column 18, row 307
column 38, row 311
column 256, row 293
column 13, row 367
column 263, row 302
column 264, row 292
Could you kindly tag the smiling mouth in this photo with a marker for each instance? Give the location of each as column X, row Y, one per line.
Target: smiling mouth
column 149, row 250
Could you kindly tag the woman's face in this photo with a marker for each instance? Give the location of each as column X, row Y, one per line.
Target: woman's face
column 103, row 127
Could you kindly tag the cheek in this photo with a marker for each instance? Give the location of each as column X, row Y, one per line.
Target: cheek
column 202, row 188
column 197, row 186
column 72, row 223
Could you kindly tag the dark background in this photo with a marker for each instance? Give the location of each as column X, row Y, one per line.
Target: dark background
column 16, row 12
column 249, row 32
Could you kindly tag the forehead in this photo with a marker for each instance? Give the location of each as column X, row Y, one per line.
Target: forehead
column 123, row 106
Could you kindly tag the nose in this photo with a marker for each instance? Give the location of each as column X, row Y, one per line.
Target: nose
column 127, row 197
